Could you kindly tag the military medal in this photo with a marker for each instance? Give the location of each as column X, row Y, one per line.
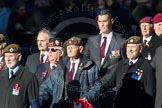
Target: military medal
column 114, row 54
column 137, row 74
column 16, row 89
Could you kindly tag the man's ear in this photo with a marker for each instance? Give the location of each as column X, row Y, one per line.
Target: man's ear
column 81, row 49
column 141, row 47
column 112, row 20
column 61, row 53
column 19, row 57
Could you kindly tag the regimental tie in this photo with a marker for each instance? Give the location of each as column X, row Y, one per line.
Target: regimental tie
column 144, row 43
column 102, row 48
column 71, row 73
column 41, row 58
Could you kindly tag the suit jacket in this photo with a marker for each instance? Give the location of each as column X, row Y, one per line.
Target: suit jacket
column 20, row 91
column 156, row 63
column 33, row 61
column 92, row 50
column 151, row 48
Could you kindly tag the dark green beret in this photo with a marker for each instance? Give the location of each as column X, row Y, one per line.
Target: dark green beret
column 73, row 41
column 134, row 40
column 12, row 48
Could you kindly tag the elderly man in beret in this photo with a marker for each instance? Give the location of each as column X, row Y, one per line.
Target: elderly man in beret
column 150, row 40
column 133, row 78
column 18, row 86
column 81, row 72
column 51, row 76
column 157, row 19
column 2, row 46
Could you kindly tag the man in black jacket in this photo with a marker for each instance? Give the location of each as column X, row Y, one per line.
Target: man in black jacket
column 18, row 86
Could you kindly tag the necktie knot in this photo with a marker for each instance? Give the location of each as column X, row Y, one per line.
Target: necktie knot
column 41, row 59
column 53, row 67
column 102, row 48
column 131, row 63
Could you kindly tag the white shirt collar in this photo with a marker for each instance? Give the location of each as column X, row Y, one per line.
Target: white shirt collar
column 148, row 39
column 134, row 61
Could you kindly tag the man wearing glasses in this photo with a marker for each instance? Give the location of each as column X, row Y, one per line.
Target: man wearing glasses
column 50, row 76
column 55, row 52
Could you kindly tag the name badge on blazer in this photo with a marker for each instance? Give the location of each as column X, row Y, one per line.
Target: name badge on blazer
column 16, row 89
column 114, row 54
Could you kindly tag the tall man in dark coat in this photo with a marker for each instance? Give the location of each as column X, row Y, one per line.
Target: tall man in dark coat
column 134, row 79
column 81, row 72
column 150, row 40
column 40, row 57
column 18, row 86
column 157, row 64
column 105, row 55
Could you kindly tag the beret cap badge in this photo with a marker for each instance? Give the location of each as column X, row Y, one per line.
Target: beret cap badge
column 11, row 50
column 57, row 42
column 131, row 40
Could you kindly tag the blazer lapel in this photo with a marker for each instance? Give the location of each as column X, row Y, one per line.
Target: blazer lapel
column 96, row 44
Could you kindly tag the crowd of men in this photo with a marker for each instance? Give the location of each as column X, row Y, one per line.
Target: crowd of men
column 108, row 72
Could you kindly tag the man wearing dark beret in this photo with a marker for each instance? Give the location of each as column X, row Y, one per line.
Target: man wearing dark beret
column 51, row 76
column 81, row 72
column 150, row 40
column 134, row 79
column 18, row 86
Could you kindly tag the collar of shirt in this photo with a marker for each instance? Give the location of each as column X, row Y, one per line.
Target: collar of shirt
column 51, row 65
column 1, row 58
column 14, row 69
column 45, row 56
column 134, row 61
column 148, row 39
column 109, row 37
column 76, row 65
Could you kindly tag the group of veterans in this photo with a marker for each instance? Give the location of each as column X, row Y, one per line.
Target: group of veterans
column 108, row 72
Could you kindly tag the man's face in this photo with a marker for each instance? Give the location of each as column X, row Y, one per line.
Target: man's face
column 158, row 28
column 42, row 41
column 104, row 23
column 146, row 29
column 133, row 51
column 74, row 51
column 54, row 54
column 12, row 59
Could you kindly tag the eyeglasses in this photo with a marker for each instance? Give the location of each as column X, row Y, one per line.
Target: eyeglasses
column 52, row 49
